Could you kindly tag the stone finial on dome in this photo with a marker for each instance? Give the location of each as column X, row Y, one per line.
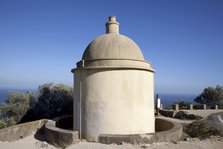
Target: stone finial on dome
column 112, row 26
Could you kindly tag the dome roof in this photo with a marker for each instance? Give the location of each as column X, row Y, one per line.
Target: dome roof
column 113, row 51
column 112, row 46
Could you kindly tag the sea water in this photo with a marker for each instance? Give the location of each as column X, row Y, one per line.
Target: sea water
column 168, row 99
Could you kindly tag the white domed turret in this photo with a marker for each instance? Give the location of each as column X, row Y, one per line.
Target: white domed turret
column 113, row 87
column 112, row 46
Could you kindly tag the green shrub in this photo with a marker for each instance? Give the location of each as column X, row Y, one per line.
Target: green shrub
column 211, row 96
column 200, row 129
column 185, row 116
column 166, row 113
column 198, row 106
column 15, row 107
column 3, row 124
column 54, row 100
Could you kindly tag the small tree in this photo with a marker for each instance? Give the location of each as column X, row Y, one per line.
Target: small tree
column 211, row 96
column 15, row 107
column 54, row 100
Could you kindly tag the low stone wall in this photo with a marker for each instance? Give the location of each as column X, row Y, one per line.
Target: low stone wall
column 216, row 121
column 163, row 125
column 165, row 131
column 16, row 132
column 177, row 107
column 59, row 137
column 168, row 131
column 46, row 128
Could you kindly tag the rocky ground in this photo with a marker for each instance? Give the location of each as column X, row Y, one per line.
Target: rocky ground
column 31, row 143
column 213, row 143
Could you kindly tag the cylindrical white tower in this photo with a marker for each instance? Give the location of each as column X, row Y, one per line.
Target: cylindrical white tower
column 113, row 87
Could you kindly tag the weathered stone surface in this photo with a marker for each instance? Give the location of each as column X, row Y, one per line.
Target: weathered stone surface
column 16, row 132
column 44, row 128
column 216, row 121
column 176, row 107
column 169, row 131
column 216, row 107
column 163, row 125
column 191, row 107
column 59, row 137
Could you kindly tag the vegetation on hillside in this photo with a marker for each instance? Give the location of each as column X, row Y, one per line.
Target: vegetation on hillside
column 200, row 129
column 211, row 96
column 52, row 100
column 55, row 100
column 15, row 107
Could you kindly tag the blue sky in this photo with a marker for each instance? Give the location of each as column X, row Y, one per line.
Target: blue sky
column 41, row 40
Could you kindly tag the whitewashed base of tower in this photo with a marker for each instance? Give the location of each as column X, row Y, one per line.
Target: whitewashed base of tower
column 110, row 101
